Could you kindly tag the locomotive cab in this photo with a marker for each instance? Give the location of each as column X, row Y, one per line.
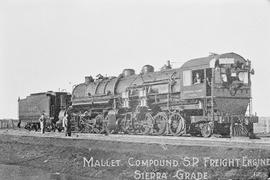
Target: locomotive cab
column 221, row 83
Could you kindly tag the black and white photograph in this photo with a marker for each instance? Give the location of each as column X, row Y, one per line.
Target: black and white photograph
column 134, row 90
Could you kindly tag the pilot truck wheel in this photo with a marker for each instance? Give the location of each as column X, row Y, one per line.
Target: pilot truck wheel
column 206, row 130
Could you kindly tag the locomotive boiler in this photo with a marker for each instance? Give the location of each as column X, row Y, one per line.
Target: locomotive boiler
column 204, row 96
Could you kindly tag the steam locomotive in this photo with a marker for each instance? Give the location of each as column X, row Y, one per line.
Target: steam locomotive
column 205, row 96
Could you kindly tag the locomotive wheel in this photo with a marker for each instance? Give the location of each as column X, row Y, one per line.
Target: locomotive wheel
column 240, row 130
column 99, row 123
column 85, row 129
column 126, row 123
column 147, row 124
column 176, row 124
column 118, row 126
column 143, row 124
column 206, row 130
column 85, row 126
column 160, row 123
column 111, row 124
column 232, row 91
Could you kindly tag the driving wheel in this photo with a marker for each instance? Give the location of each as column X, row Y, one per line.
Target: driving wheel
column 160, row 123
column 176, row 124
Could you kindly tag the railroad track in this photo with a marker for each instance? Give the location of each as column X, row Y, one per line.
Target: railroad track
column 236, row 142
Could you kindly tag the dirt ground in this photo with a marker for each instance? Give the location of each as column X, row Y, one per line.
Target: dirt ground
column 69, row 155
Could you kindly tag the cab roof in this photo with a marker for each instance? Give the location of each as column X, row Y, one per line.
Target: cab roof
column 209, row 61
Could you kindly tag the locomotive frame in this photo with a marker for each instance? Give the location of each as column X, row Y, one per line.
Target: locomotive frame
column 169, row 101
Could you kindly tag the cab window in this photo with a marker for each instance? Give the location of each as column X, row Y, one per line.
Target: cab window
column 220, row 75
column 243, row 77
column 187, row 81
column 198, row 76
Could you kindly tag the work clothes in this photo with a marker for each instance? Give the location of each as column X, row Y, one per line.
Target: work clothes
column 42, row 121
column 67, row 124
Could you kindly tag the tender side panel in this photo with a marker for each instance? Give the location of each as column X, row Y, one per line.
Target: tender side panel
column 31, row 107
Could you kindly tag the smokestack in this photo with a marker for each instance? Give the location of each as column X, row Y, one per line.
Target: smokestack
column 169, row 64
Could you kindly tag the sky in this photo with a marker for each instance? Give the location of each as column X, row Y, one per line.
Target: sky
column 52, row 44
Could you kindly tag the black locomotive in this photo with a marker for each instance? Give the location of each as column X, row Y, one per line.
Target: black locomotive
column 204, row 96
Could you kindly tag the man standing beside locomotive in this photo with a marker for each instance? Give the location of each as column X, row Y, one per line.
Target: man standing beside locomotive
column 42, row 121
column 67, row 123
